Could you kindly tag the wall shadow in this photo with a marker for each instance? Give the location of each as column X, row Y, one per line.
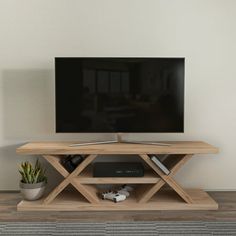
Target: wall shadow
column 28, row 103
column 10, row 160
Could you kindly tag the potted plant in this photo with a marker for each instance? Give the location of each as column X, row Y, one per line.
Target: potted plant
column 33, row 180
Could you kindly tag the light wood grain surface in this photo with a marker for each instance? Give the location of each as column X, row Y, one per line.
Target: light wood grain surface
column 57, row 148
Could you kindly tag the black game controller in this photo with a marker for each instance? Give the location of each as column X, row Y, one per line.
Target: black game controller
column 70, row 162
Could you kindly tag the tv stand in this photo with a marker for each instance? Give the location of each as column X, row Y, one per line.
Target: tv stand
column 119, row 140
column 150, row 192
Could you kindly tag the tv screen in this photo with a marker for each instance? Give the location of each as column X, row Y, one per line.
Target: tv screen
column 119, row 95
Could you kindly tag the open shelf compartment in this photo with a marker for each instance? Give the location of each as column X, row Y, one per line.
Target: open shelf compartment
column 86, row 177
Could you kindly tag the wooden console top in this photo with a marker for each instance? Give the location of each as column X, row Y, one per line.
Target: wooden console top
column 57, row 148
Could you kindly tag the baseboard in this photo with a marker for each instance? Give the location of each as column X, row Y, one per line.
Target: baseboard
column 220, row 190
column 9, row 191
column 207, row 190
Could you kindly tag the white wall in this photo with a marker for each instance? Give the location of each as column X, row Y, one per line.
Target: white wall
column 33, row 32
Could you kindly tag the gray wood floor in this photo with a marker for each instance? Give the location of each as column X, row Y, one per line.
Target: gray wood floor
column 226, row 212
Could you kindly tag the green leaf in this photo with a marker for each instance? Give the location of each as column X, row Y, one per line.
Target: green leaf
column 32, row 174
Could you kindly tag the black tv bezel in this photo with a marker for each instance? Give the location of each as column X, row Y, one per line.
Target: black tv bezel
column 105, row 132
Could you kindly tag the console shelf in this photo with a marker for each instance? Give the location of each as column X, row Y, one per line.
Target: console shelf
column 149, row 194
column 86, row 177
column 165, row 200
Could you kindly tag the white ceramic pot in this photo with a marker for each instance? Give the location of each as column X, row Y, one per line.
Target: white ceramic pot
column 32, row 191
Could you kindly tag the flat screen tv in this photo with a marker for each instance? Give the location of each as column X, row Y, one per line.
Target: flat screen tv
column 119, row 95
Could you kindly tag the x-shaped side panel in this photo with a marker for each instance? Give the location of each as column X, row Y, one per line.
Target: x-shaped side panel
column 70, row 178
column 166, row 179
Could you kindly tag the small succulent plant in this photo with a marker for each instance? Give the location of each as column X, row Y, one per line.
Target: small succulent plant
column 32, row 174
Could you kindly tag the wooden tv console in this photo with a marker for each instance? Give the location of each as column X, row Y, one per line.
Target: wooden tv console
column 149, row 193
